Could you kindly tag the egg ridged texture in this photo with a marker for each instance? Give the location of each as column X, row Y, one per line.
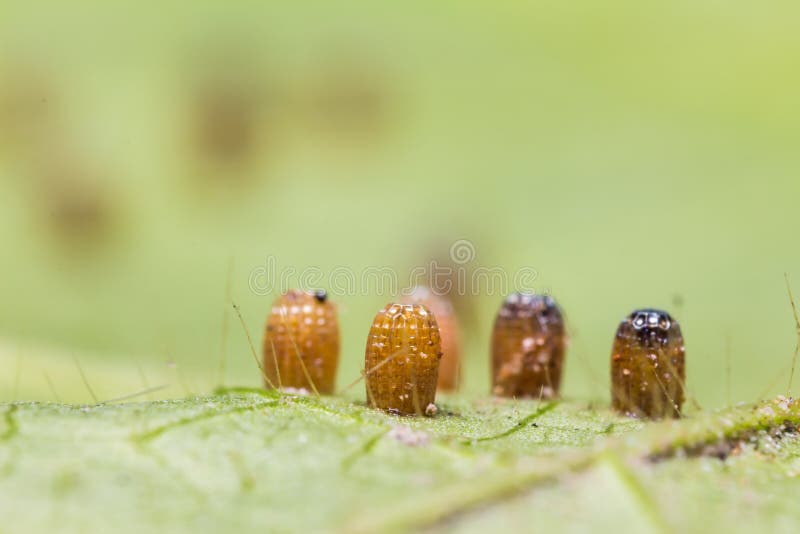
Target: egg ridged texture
column 402, row 359
column 302, row 324
column 442, row 308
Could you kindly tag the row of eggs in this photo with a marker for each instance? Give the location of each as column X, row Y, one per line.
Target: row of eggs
column 413, row 350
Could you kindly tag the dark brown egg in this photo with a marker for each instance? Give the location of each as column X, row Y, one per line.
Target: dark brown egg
column 528, row 345
column 402, row 360
column 648, row 366
column 442, row 308
column 301, row 343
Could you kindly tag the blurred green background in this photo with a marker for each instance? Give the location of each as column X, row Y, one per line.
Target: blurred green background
column 633, row 153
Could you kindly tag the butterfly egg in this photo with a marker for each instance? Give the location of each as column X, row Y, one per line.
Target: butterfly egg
column 442, row 308
column 301, row 342
column 648, row 367
column 402, row 360
column 528, row 345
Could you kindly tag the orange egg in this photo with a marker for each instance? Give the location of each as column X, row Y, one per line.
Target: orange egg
column 442, row 308
column 402, row 360
column 301, row 342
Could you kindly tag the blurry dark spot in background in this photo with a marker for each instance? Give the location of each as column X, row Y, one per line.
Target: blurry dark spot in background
column 224, row 122
column 245, row 115
column 349, row 96
column 76, row 203
column 228, row 98
column 677, row 301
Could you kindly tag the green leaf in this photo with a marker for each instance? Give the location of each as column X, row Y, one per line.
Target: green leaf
column 251, row 460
